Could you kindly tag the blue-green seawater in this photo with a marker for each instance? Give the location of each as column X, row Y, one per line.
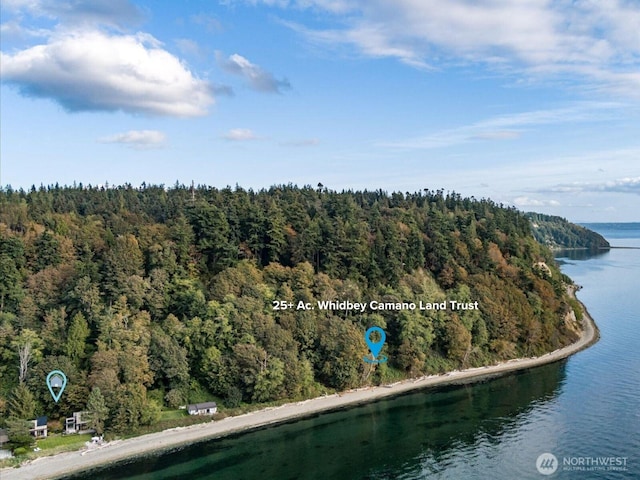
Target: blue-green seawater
column 584, row 407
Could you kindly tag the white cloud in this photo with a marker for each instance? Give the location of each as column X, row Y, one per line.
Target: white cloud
column 533, row 202
column 138, row 139
column 306, row 142
column 80, row 12
column 209, row 22
column 240, row 135
column 597, row 41
column 189, row 47
column 507, row 127
column 14, row 30
column 258, row 79
column 18, row 5
column 94, row 70
column 625, row 185
column 621, row 185
column 497, row 135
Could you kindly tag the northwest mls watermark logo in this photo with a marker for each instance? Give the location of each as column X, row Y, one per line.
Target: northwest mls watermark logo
column 547, row 464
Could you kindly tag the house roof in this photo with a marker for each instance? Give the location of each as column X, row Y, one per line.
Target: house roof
column 202, row 406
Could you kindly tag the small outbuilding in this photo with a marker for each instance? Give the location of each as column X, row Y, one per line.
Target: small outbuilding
column 206, row 408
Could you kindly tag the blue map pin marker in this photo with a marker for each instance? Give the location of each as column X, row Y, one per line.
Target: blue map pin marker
column 58, row 380
column 375, row 347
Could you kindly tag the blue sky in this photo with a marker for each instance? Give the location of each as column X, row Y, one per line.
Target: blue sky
column 532, row 103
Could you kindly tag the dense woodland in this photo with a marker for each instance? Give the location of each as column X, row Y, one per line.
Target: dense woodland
column 154, row 297
column 556, row 232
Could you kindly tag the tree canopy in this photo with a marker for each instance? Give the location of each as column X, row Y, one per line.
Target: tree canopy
column 154, row 295
column 557, row 232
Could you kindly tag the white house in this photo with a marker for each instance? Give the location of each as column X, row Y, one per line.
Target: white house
column 207, row 408
column 39, row 428
column 78, row 423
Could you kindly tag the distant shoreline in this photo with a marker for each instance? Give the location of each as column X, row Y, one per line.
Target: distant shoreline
column 582, row 249
column 587, row 249
column 56, row 466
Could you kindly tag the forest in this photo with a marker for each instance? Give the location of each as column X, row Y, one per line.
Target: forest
column 152, row 297
column 557, row 233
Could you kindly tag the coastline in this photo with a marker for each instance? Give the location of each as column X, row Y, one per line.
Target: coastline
column 56, row 466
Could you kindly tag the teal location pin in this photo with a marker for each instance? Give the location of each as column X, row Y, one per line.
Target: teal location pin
column 375, row 347
column 56, row 380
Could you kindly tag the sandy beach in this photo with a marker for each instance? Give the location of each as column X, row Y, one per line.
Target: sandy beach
column 59, row 465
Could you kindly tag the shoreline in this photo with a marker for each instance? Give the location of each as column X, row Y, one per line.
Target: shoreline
column 58, row 465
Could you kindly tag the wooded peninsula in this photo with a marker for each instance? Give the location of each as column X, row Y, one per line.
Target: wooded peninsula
column 151, row 298
column 558, row 233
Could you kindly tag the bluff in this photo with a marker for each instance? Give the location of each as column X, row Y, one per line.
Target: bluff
column 161, row 296
column 557, row 232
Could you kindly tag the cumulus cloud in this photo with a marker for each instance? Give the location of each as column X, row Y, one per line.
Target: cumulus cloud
column 240, row 135
column 257, row 78
column 138, row 139
column 90, row 69
column 594, row 40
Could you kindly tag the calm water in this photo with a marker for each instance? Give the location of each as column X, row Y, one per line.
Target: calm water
column 586, row 406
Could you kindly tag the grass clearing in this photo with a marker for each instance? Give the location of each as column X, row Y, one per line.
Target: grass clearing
column 172, row 414
column 55, row 441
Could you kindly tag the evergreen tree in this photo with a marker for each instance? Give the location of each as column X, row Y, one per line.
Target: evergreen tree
column 97, row 411
column 77, row 335
column 19, row 434
column 22, row 404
